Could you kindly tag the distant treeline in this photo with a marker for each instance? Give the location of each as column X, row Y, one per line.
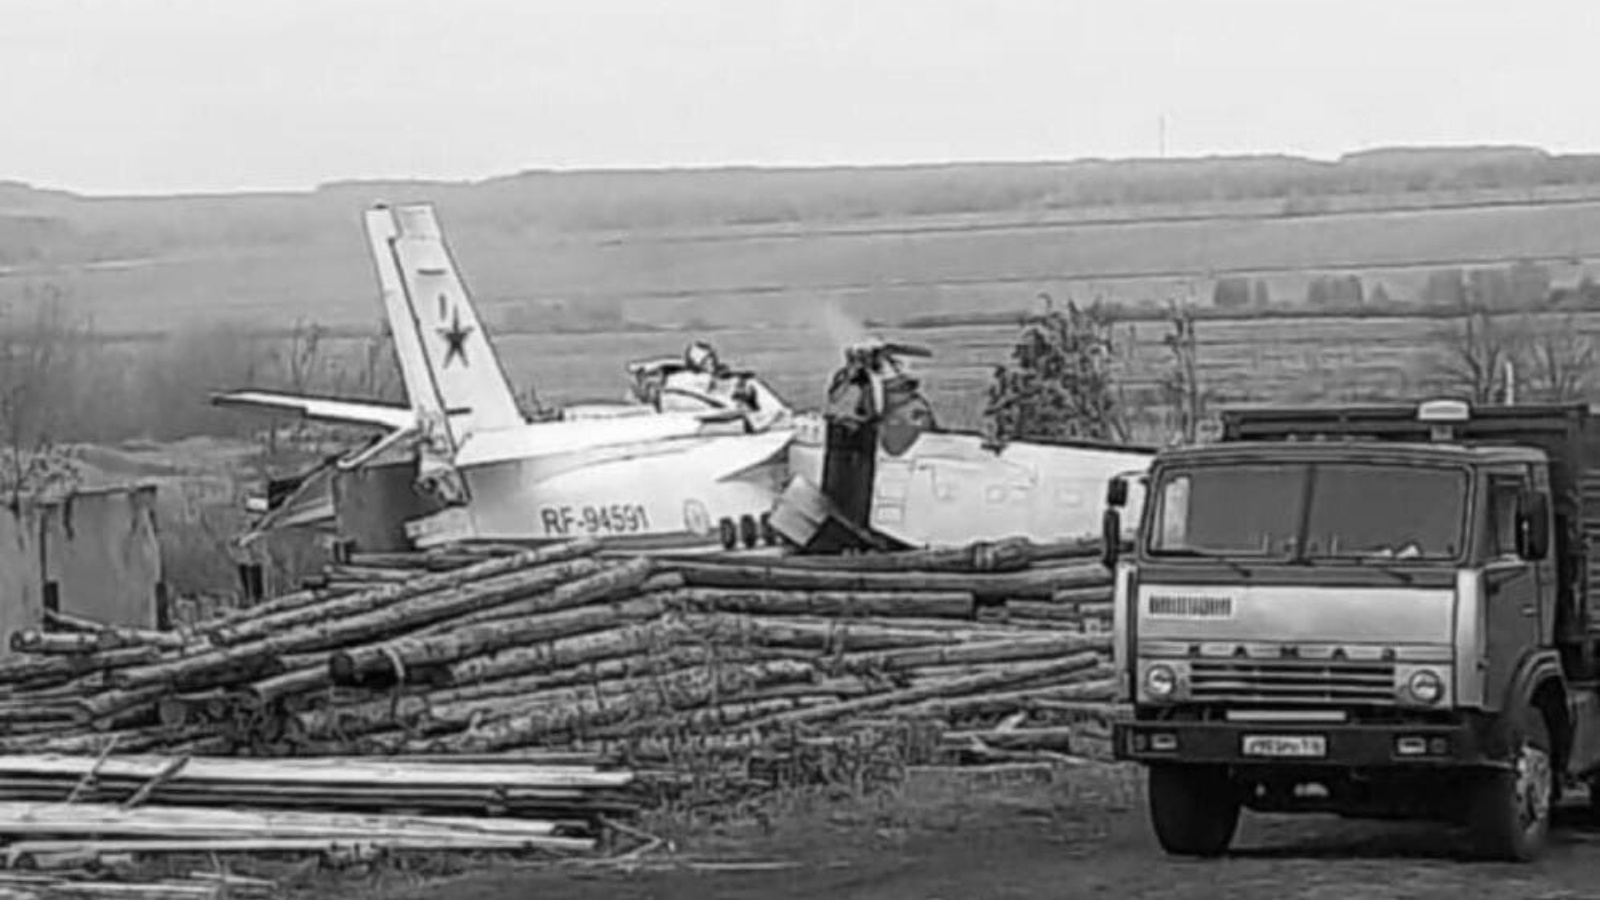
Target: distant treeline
column 38, row 226
column 1448, row 294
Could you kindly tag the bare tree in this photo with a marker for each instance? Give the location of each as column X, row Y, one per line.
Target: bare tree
column 1181, row 387
column 37, row 369
column 1477, row 352
column 301, row 363
column 1557, row 359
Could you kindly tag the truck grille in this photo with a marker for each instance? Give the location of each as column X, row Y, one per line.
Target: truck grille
column 1291, row 681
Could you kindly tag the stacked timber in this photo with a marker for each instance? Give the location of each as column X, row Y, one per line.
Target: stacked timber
column 475, row 650
column 82, row 885
column 59, row 811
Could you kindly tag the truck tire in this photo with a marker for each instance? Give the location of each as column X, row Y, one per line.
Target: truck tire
column 1193, row 809
column 1510, row 810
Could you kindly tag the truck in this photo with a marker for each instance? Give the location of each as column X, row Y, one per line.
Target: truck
column 1371, row 611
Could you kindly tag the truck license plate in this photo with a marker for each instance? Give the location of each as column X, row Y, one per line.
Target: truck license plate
column 1285, row 745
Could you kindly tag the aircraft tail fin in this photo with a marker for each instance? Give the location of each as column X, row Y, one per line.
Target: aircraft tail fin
column 449, row 364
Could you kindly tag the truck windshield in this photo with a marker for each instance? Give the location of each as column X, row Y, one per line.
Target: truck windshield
column 1311, row 511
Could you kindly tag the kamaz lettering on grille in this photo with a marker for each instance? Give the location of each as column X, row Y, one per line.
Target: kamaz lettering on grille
column 1190, row 606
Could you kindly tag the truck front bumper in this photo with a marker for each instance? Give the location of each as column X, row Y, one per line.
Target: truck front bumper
column 1304, row 745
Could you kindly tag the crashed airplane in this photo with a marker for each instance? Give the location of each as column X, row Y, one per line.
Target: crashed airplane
column 698, row 461
column 886, row 475
column 701, row 457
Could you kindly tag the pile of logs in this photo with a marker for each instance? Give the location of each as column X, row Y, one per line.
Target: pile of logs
column 567, row 648
column 60, row 811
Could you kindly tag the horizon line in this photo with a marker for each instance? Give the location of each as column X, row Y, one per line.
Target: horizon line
column 789, row 168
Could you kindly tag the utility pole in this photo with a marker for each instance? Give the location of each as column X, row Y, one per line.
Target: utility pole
column 1161, row 130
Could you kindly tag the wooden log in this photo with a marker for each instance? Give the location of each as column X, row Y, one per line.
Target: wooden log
column 889, row 604
column 1091, row 594
column 935, row 674
column 39, row 854
column 442, row 800
column 1041, row 583
column 715, row 719
column 657, row 582
column 486, row 710
column 1062, row 612
column 1010, row 650
column 391, row 594
column 34, row 640
column 445, row 606
column 989, row 681
column 459, row 705
column 47, row 671
column 830, row 688
column 562, row 613
column 303, row 680
column 825, row 636
column 90, row 742
column 272, row 607
column 86, row 819
column 1094, row 684
column 118, row 635
column 683, row 691
column 261, row 658
column 662, row 658
column 343, row 770
column 977, row 629
column 1081, row 710
column 366, row 574
column 1007, row 555
column 561, row 653
column 110, row 703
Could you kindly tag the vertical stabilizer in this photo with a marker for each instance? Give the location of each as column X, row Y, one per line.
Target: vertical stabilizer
column 446, row 353
column 406, row 332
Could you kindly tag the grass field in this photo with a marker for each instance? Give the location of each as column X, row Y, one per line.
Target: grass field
column 1241, row 361
column 740, row 277
column 160, row 390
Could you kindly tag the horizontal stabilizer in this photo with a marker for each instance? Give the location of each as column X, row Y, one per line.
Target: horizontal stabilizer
column 322, row 409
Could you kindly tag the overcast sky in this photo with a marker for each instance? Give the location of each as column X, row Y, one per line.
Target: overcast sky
column 143, row 96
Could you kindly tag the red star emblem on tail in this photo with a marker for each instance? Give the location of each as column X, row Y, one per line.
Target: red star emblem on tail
column 455, row 338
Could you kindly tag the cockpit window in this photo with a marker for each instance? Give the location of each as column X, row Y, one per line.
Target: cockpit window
column 1355, row 511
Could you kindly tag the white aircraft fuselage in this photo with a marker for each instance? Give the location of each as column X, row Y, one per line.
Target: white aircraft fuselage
column 672, row 492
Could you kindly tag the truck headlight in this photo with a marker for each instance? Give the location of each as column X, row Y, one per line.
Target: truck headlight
column 1425, row 686
column 1160, row 681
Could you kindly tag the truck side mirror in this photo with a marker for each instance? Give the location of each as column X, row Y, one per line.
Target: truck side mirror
column 1111, row 537
column 1533, row 526
column 1117, row 493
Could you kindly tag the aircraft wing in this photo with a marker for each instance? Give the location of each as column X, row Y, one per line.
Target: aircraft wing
column 322, row 409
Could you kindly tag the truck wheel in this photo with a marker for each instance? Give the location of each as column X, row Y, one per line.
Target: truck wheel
column 1510, row 817
column 1194, row 809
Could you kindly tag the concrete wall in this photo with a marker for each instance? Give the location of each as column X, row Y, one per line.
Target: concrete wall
column 102, row 551
column 99, row 548
column 21, row 581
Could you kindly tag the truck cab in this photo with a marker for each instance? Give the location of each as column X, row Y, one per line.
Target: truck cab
column 1375, row 612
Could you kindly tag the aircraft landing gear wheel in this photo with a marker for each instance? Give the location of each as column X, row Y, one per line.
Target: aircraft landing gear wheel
column 1193, row 809
column 729, row 534
column 747, row 531
column 1510, row 811
column 769, row 535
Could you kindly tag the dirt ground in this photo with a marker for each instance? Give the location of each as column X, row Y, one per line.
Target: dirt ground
column 1082, row 834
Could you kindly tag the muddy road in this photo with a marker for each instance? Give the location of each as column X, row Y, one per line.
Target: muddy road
column 1043, row 845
